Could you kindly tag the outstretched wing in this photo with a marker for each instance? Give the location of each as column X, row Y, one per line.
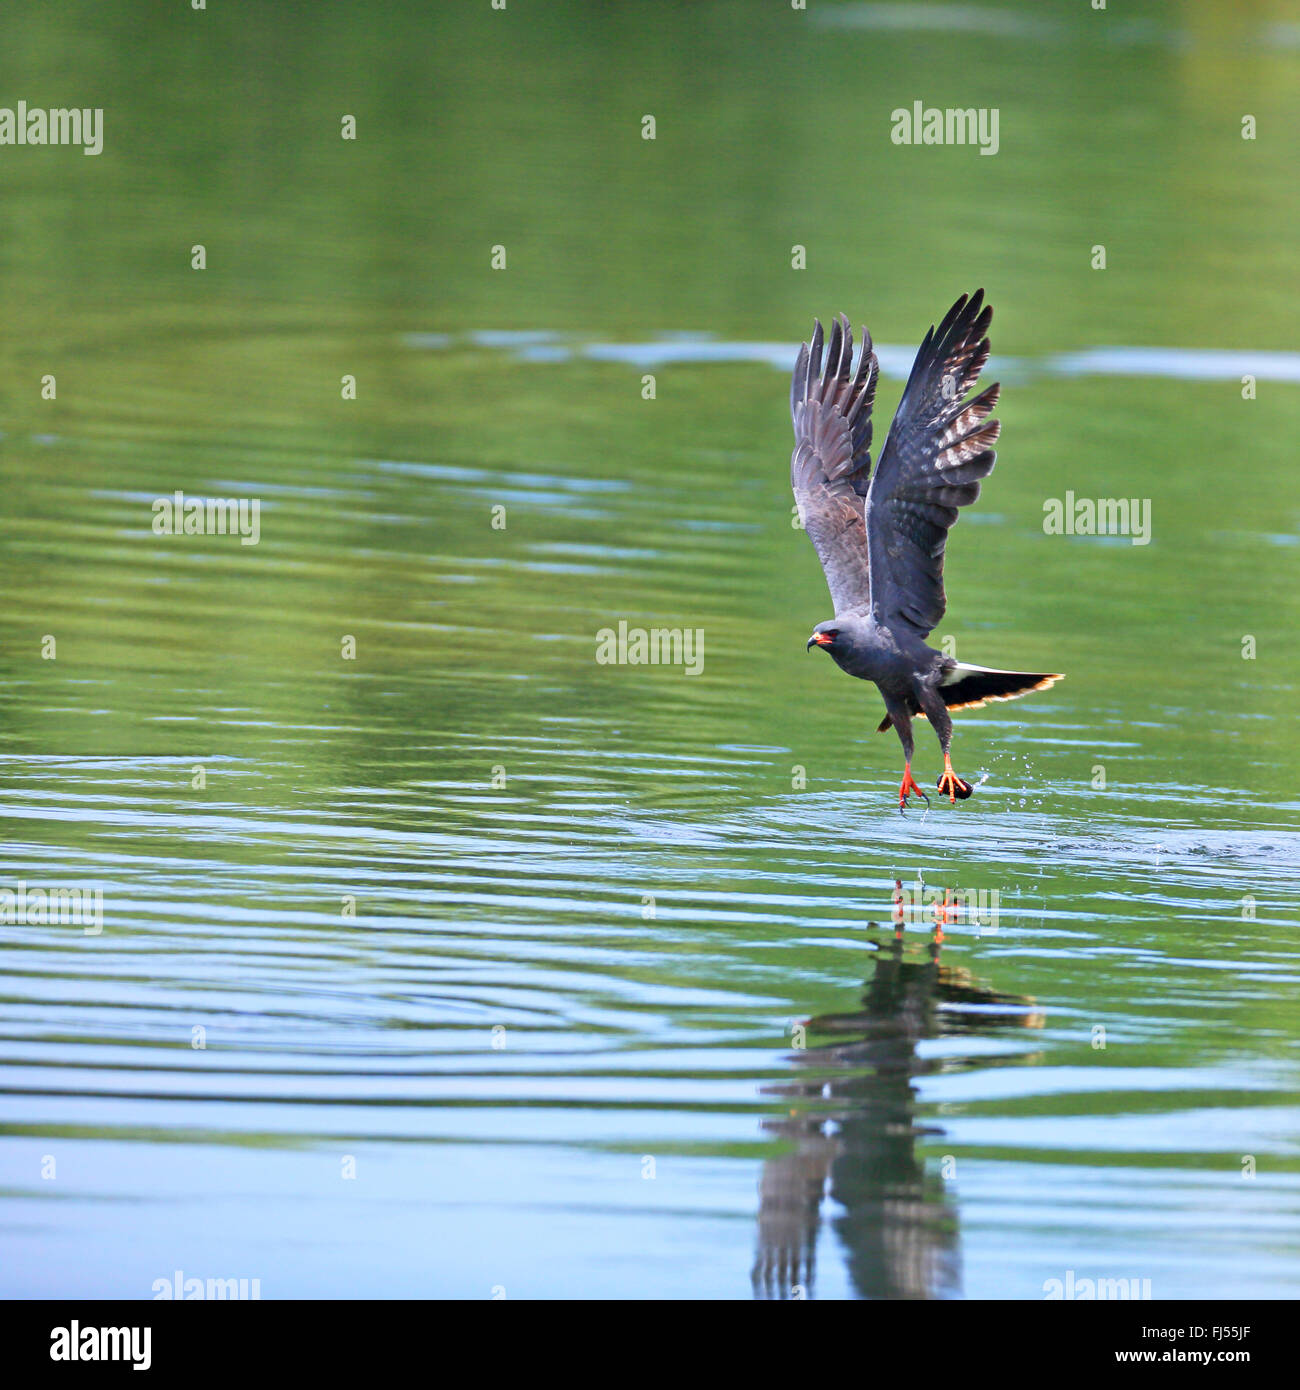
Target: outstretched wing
column 938, row 449
column 830, row 469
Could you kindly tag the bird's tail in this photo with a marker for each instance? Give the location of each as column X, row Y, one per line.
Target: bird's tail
column 969, row 687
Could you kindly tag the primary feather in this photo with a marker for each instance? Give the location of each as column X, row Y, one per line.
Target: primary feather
column 939, row 448
column 830, row 469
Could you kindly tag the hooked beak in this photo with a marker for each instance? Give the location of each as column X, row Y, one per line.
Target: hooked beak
column 818, row 639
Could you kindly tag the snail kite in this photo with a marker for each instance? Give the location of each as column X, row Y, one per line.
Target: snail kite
column 881, row 536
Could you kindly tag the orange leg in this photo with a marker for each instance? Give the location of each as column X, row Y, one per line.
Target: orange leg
column 952, row 784
column 944, row 913
column 908, row 786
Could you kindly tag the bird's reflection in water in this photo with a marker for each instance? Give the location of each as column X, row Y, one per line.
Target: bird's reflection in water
column 853, row 1126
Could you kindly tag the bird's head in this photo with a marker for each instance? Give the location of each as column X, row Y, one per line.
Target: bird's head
column 825, row 635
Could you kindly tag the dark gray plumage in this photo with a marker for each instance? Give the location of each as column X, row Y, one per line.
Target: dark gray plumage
column 881, row 538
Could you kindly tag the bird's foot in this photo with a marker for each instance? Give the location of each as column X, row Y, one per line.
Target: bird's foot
column 951, row 784
column 908, row 786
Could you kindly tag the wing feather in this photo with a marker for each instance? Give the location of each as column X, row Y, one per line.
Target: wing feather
column 938, row 451
column 830, row 469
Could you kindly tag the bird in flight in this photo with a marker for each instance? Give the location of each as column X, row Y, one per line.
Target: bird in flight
column 881, row 537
